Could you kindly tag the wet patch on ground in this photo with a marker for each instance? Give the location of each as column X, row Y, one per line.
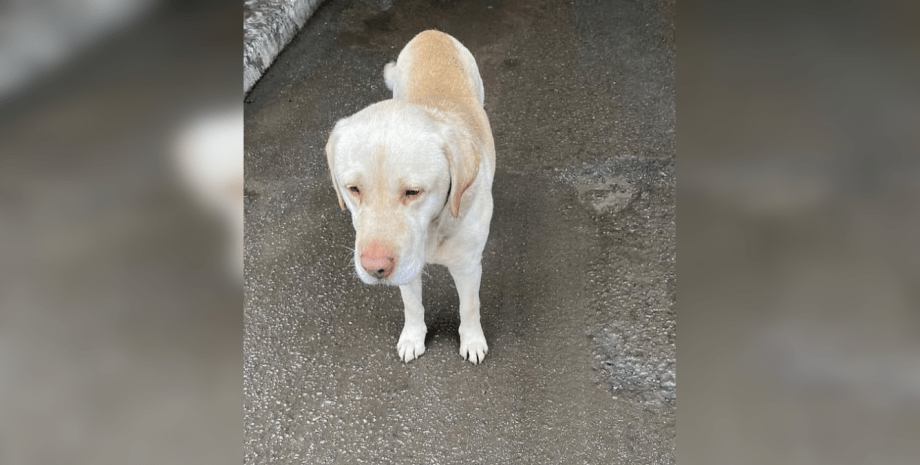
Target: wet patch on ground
column 605, row 194
column 633, row 275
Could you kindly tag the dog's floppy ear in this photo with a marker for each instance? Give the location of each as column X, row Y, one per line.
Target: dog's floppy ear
column 330, row 159
column 463, row 157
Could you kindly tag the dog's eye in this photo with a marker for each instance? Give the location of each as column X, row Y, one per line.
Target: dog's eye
column 354, row 189
column 413, row 193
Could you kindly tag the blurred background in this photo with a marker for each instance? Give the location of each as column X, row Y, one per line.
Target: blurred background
column 120, row 257
column 120, row 296
column 798, row 216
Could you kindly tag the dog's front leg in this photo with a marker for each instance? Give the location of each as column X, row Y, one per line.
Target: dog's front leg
column 472, row 341
column 411, row 343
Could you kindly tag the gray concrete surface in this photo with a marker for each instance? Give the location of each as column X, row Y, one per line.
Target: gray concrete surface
column 578, row 291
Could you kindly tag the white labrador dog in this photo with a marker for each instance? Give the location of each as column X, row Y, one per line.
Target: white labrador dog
column 416, row 173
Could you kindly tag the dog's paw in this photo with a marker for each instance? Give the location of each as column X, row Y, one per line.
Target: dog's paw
column 473, row 345
column 411, row 343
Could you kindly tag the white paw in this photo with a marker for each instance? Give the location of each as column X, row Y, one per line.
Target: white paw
column 473, row 345
column 411, row 343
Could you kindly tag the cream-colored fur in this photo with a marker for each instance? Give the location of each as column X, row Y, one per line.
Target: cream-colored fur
column 416, row 174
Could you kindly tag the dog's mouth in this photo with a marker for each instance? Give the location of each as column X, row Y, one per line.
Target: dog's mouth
column 374, row 281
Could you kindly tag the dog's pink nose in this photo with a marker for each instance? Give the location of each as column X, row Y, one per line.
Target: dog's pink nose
column 378, row 260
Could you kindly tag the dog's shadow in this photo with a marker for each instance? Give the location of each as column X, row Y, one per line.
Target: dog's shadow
column 441, row 302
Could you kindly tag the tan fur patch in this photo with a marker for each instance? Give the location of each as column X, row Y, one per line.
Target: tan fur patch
column 441, row 80
column 437, row 73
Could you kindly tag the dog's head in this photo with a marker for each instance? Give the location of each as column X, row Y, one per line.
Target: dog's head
column 397, row 167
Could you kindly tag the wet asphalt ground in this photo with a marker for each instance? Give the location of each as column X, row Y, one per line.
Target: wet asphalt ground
column 578, row 290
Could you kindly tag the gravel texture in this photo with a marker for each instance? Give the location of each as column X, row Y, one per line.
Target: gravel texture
column 579, row 286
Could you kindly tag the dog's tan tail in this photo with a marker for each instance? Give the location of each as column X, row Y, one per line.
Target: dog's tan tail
column 390, row 74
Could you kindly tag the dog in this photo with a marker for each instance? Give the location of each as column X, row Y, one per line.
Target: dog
column 416, row 171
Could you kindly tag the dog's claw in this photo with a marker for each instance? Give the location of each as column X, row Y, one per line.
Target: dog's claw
column 473, row 346
column 411, row 343
column 409, row 352
column 474, row 353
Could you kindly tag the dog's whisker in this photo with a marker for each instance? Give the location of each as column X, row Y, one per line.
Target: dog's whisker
column 350, row 249
column 346, row 258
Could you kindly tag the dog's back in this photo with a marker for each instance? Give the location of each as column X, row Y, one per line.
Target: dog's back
column 436, row 71
column 444, row 72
